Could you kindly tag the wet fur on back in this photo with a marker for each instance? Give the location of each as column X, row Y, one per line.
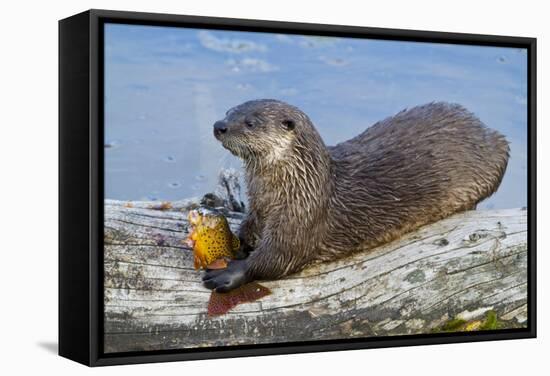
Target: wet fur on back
column 309, row 202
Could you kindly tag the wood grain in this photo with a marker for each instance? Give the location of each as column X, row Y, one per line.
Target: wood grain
column 459, row 268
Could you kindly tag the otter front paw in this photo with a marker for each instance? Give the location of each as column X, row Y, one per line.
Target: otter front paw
column 224, row 280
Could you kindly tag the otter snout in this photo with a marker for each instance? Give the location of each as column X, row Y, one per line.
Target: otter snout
column 220, row 127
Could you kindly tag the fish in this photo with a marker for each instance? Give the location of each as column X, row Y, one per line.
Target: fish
column 211, row 239
column 214, row 245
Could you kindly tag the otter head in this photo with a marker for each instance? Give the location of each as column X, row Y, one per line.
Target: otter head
column 264, row 130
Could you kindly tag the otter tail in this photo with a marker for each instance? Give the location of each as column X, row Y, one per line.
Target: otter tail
column 499, row 158
column 492, row 170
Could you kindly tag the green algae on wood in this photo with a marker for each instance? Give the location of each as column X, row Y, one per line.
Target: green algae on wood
column 490, row 322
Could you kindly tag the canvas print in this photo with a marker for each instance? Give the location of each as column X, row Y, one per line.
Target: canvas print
column 268, row 188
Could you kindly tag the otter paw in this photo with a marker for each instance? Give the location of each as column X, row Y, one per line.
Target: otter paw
column 224, row 280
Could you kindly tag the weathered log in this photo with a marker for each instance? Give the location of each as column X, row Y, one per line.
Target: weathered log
column 455, row 271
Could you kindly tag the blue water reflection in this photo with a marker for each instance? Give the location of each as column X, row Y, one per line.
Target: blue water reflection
column 165, row 87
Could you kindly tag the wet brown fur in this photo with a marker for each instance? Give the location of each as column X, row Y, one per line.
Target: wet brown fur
column 309, row 202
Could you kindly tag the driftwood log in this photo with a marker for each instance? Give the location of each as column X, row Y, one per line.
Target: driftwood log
column 457, row 270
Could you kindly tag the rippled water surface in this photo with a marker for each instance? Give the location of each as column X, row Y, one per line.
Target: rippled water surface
column 165, row 87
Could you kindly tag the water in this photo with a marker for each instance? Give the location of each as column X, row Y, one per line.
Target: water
column 166, row 86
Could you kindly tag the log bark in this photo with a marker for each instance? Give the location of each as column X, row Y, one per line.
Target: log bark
column 456, row 270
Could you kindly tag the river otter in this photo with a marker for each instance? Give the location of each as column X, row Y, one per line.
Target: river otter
column 309, row 202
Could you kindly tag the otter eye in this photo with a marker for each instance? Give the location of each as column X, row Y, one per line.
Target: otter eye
column 249, row 124
column 289, row 124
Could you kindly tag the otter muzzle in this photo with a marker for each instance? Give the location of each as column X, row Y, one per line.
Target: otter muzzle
column 220, row 127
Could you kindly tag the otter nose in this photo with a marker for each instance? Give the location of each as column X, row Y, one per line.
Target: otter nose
column 220, row 127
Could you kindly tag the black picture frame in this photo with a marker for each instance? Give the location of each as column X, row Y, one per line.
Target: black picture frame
column 81, row 185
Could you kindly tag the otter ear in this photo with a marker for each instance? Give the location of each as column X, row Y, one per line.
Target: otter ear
column 288, row 124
